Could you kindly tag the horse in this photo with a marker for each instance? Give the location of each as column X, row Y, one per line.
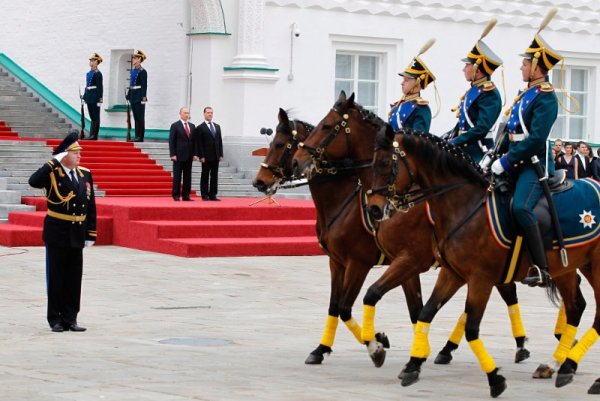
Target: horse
column 347, row 136
column 335, row 194
column 420, row 163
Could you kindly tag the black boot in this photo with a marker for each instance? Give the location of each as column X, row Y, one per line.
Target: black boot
column 94, row 130
column 137, row 132
column 538, row 272
column 142, row 130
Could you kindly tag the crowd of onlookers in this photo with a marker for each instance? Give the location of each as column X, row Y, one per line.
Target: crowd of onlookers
column 578, row 160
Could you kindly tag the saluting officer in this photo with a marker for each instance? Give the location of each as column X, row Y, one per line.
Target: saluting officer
column 93, row 94
column 531, row 118
column 481, row 104
column 138, row 85
column 412, row 111
column 69, row 226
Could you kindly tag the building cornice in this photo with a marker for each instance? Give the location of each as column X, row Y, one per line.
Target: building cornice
column 575, row 16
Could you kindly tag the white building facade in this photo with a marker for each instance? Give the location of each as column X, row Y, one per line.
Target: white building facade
column 247, row 58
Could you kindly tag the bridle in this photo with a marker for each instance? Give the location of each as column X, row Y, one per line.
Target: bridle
column 411, row 196
column 278, row 170
column 318, row 154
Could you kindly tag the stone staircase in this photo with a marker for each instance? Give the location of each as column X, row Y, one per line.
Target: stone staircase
column 25, row 113
column 10, row 200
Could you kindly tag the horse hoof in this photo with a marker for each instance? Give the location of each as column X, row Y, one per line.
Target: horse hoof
column 383, row 339
column 562, row 379
column 408, row 378
column 498, row 388
column 377, row 353
column 543, row 372
column 595, row 389
column 521, row 355
column 314, row 359
column 442, row 359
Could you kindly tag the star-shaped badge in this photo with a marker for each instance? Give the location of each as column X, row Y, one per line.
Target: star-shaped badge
column 587, row 219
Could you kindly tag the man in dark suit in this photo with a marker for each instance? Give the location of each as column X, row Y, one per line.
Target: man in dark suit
column 93, row 94
column 138, row 85
column 210, row 152
column 182, row 149
column 584, row 168
column 69, row 226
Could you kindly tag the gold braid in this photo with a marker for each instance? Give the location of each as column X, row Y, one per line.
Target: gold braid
column 62, row 199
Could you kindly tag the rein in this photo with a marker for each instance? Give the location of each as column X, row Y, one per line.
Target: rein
column 278, row 170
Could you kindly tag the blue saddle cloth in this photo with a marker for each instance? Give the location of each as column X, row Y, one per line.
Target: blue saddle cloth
column 578, row 213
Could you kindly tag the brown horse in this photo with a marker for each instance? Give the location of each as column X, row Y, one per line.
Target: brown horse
column 418, row 163
column 347, row 136
column 336, row 194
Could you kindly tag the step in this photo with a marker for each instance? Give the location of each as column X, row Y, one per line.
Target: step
column 5, row 209
column 13, row 197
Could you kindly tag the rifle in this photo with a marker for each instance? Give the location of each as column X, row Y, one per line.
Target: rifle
column 82, row 132
column 128, row 117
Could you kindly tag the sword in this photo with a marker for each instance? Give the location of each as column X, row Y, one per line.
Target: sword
column 543, row 178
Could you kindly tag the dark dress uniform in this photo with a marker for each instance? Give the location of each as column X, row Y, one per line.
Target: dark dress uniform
column 480, row 106
column 69, row 223
column 531, row 119
column 410, row 112
column 138, row 85
column 92, row 96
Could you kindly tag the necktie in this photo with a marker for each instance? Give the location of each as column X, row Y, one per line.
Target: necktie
column 75, row 182
column 187, row 129
column 212, row 129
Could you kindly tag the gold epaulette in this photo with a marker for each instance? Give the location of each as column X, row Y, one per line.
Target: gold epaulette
column 488, row 86
column 546, row 87
column 84, row 169
column 421, row 102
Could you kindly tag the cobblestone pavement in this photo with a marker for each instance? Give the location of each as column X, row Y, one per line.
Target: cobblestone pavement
column 166, row 328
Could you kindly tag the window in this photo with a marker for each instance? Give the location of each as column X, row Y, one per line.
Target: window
column 358, row 73
column 575, row 124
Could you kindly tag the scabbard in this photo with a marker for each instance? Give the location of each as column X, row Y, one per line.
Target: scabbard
column 543, row 179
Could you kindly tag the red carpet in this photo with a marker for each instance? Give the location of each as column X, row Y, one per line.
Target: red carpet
column 190, row 229
column 6, row 131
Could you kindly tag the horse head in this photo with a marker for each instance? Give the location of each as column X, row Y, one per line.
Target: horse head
column 412, row 167
column 277, row 166
column 341, row 140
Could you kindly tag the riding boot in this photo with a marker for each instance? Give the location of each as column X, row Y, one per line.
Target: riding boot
column 137, row 132
column 94, row 130
column 538, row 272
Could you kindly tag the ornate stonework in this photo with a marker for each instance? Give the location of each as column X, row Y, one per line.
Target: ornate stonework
column 206, row 16
column 575, row 16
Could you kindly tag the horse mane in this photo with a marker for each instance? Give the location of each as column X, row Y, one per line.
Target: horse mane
column 367, row 115
column 307, row 126
column 439, row 153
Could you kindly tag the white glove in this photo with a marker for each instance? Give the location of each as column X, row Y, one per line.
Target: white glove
column 89, row 243
column 61, row 156
column 497, row 167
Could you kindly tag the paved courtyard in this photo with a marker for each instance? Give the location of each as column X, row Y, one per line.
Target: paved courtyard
column 165, row 328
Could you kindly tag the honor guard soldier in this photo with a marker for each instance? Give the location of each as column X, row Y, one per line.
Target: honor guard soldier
column 93, row 94
column 138, row 84
column 69, row 226
column 531, row 117
column 481, row 104
column 412, row 111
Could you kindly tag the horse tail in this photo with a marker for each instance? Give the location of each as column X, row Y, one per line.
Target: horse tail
column 552, row 293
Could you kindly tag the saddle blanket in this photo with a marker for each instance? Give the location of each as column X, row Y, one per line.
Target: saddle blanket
column 578, row 213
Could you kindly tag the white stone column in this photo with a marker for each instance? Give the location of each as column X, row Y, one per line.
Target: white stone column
column 250, row 35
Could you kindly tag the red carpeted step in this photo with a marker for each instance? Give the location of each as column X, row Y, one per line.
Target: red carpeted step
column 122, row 161
column 221, row 247
column 123, row 154
column 124, row 166
column 107, row 179
column 216, row 229
column 137, row 191
column 125, row 172
column 135, row 185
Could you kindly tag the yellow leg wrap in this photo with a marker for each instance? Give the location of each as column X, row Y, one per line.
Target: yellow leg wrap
column 459, row 330
column 514, row 313
column 355, row 329
column 565, row 343
column 368, row 329
column 420, row 346
column 485, row 359
column 561, row 320
column 584, row 344
column 329, row 332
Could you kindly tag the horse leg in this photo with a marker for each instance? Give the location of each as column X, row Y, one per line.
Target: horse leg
column 574, row 305
column 508, row 293
column 445, row 287
column 398, row 273
column 337, row 281
column 569, row 367
column 561, row 319
column 478, row 295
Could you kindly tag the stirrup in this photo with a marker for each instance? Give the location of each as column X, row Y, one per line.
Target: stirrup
column 535, row 277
